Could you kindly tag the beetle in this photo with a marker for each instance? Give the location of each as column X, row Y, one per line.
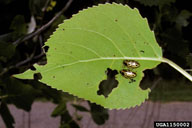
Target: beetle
column 131, row 63
column 128, row 74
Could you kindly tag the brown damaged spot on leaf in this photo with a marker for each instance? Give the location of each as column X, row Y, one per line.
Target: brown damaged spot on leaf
column 146, row 43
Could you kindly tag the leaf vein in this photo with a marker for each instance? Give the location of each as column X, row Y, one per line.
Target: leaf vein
column 124, row 32
column 98, row 33
column 81, row 46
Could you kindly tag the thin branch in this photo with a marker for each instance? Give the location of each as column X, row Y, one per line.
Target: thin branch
column 26, row 60
column 32, row 56
column 22, row 63
column 27, row 37
column 29, row 59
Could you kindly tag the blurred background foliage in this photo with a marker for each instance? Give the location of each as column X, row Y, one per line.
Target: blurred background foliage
column 169, row 19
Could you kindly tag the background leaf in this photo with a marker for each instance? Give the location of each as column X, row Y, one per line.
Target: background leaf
column 81, row 50
column 17, row 93
column 60, row 109
column 80, row 108
column 98, row 113
column 6, row 115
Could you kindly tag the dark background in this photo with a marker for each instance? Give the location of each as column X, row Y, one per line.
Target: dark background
column 169, row 19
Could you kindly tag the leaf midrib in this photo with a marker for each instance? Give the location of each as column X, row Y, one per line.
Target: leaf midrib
column 105, row 58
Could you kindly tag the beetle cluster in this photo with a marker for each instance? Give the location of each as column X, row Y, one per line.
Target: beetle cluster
column 128, row 73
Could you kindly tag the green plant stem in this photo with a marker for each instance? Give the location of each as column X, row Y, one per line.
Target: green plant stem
column 182, row 71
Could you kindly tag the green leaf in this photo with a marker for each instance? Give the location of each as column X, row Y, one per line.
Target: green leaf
column 20, row 94
column 6, row 115
column 67, row 121
column 98, row 113
column 80, row 108
column 97, row 38
column 59, row 110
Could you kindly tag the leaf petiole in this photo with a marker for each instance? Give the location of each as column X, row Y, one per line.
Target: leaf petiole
column 179, row 69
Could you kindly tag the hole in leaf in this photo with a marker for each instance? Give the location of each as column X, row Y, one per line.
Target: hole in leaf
column 147, row 81
column 37, row 76
column 32, row 68
column 141, row 51
column 106, row 86
column 46, row 48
